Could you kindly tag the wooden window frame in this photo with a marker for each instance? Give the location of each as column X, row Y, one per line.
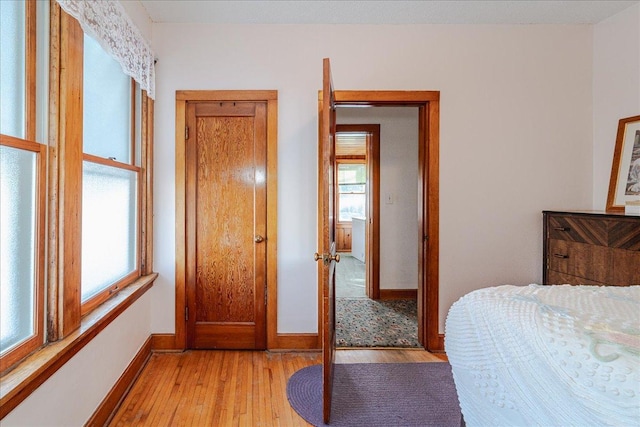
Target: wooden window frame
column 29, row 144
column 91, row 303
column 30, row 63
column 352, row 160
column 36, row 340
column 71, row 158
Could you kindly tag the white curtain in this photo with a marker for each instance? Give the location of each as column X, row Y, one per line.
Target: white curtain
column 108, row 23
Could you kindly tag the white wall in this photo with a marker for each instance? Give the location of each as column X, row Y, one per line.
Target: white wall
column 71, row 395
column 516, row 136
column 139, row 16
column 616, row 90
column 399, row 237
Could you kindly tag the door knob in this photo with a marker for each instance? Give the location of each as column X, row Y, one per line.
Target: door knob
column 258, row 239
column 326, row 258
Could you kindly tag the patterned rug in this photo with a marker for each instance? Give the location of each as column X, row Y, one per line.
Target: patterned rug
column 362, row 322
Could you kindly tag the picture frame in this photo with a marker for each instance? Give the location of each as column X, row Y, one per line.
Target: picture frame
column 624, row 184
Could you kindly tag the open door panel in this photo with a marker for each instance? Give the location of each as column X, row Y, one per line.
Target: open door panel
column 327, row 251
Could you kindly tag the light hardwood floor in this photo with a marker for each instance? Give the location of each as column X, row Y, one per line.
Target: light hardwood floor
column 231, row 388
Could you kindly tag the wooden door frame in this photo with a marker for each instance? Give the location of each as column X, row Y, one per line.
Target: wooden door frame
column 428, row 103
column 372, row 230
column 270, row 97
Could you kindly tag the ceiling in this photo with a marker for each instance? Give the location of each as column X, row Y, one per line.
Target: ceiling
column 383, row 12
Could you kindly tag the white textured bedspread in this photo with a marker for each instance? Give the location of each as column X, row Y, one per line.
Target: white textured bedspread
column 547, row 355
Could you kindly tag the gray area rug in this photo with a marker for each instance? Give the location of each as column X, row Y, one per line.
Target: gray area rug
column 379, row 394
column 363, row 322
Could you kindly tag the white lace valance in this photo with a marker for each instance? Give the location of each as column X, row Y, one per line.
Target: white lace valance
column 108, row 23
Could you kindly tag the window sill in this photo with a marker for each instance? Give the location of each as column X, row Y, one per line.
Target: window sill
column 27, row 376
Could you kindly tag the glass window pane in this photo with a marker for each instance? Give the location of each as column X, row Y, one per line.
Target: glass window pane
column 107, row 105
column 17, row 245
column 351, row 188
column 109, row 221
column 352, row 173
column 351, row 205
column 138, row 124
column 12, row 71
column 42, row 71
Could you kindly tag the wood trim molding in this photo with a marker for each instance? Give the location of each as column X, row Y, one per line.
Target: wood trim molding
column 226, row 95
column 296, row 342
column 182, row 97
column 440, row 348
column 69, row 146
column 150, row 123
column 272, row 219
column 422, row 292
column 31, row 69
column 385, row 97
column 53, row 330
column 109, row 405
column 146, row 233
column 181, row 222
column 164, row 342
column 431, row 221
column 18, row 384
column 398, row 294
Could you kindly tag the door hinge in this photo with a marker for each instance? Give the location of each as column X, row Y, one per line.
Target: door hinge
column 186, row 132
column 186, row 313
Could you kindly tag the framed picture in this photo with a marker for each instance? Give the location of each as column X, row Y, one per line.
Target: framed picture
column 625, row 172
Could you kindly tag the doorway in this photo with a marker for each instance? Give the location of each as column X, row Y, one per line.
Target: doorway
column 357, row 205
column 386, row 317
column 427, row 230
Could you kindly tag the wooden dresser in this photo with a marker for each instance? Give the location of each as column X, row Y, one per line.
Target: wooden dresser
column 591, row 248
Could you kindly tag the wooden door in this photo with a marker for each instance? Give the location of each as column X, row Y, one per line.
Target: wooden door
column 328, row 257
column 226, row 225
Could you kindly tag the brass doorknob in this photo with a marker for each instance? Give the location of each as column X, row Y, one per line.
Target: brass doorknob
column 329, row 258
column 259, row 239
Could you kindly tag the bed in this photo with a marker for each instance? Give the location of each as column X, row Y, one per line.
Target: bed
column 547, row 355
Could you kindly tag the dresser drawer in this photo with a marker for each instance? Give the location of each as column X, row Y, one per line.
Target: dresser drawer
column 624, row 234
column 625, row 267
column 578, row 259
column 577, row 229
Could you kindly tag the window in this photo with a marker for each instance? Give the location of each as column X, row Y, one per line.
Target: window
column 109, row 176
column 81, row 202
column 22, row 188
column 352, row 182
column 21, row 248
column 101, row 165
